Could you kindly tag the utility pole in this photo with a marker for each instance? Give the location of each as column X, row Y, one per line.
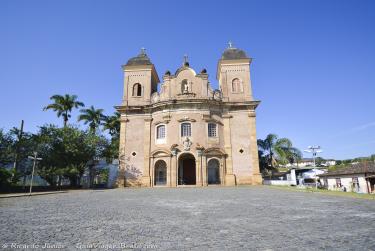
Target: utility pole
column 19, row 136
column 35, row 158
column 314, row 150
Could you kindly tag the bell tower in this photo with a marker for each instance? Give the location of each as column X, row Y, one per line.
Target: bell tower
column 233, row 74
column 140, row 80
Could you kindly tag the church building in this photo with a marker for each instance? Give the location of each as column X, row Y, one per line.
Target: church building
column 183, row 132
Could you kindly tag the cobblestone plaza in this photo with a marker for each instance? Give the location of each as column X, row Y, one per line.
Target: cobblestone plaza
column 214, row 218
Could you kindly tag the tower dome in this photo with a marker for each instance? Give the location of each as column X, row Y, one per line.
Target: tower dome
column 233, row 53
column 141, row 59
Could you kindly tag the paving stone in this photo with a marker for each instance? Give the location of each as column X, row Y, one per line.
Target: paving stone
column 216, row 218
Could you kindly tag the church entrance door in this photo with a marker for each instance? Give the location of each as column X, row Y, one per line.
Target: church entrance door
column 186, row 170
column 213, row 172
column 160, row 178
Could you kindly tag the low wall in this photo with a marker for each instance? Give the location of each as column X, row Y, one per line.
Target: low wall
column 277, row 182
column 26, row 189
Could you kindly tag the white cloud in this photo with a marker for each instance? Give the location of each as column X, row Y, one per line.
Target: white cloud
column 354, row 129
column 363, row 127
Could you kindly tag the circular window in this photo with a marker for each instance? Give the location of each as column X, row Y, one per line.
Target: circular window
column 241, row 150
column 134, row 154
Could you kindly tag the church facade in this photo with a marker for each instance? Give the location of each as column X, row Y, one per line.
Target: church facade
column 186, row 133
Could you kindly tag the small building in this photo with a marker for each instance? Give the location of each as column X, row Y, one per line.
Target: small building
column 359, row 178
column 309, row 162
column 306, row 176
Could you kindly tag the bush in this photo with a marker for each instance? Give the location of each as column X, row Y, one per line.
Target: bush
column 5, row 176
column 8, row 178
column 104, row 175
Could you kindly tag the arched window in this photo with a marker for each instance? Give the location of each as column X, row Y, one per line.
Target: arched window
column 160, row 132
column 212, row 130
column 137, row 90
column 185, row 130
column 237, row 85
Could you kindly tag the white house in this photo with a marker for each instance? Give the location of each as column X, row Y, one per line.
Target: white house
column 307, row 162
column 359, row 178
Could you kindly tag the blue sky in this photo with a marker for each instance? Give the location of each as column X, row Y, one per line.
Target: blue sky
column 313, row 61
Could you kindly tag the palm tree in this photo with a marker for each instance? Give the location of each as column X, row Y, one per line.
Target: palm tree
column 92, row 116
column 266, row 146
column 63, row 105
column 278, row 151
column 112, row 124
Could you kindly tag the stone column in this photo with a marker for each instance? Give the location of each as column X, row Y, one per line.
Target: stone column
column 169, row 172
column 222, row 168
column 229, row 176
column 293, row 178
column 152, row 171
column 204, row 170
column 257, row 177
column 146, row 179
column 174, row 169
column 120, row 182
column 198, row 171
column 201, row 170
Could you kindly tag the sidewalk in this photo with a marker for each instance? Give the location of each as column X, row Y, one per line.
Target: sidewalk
column 10, row 195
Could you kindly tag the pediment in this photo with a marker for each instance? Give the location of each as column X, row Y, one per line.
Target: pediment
column 161, row 152
column 184, row 70
column 214, row 151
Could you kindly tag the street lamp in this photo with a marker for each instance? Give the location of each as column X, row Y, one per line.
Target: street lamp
column 35, row 158
column 314, row 150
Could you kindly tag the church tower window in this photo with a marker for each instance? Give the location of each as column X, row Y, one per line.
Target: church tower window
column 237, row 85
column 137, row 90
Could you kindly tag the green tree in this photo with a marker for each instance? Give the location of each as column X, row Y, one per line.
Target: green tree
column 63, row 106
column 277, row 151
column 7, row 143
column 94, row 117
column 24, row 146
column 8, row 175
column 66, row 152
column 319, row 161
column 111, row 149
column 112, row 124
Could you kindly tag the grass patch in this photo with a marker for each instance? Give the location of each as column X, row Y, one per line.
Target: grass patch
column 282, row 169
column 328, row 192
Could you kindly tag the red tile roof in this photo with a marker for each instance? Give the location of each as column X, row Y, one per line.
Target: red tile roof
column 359, row 168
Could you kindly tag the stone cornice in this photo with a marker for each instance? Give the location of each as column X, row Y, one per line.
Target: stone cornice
column 252, row 114
column 130, row 68
column 208, row 118
column 176, row 103
column 123, row 119
column 186, row 119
